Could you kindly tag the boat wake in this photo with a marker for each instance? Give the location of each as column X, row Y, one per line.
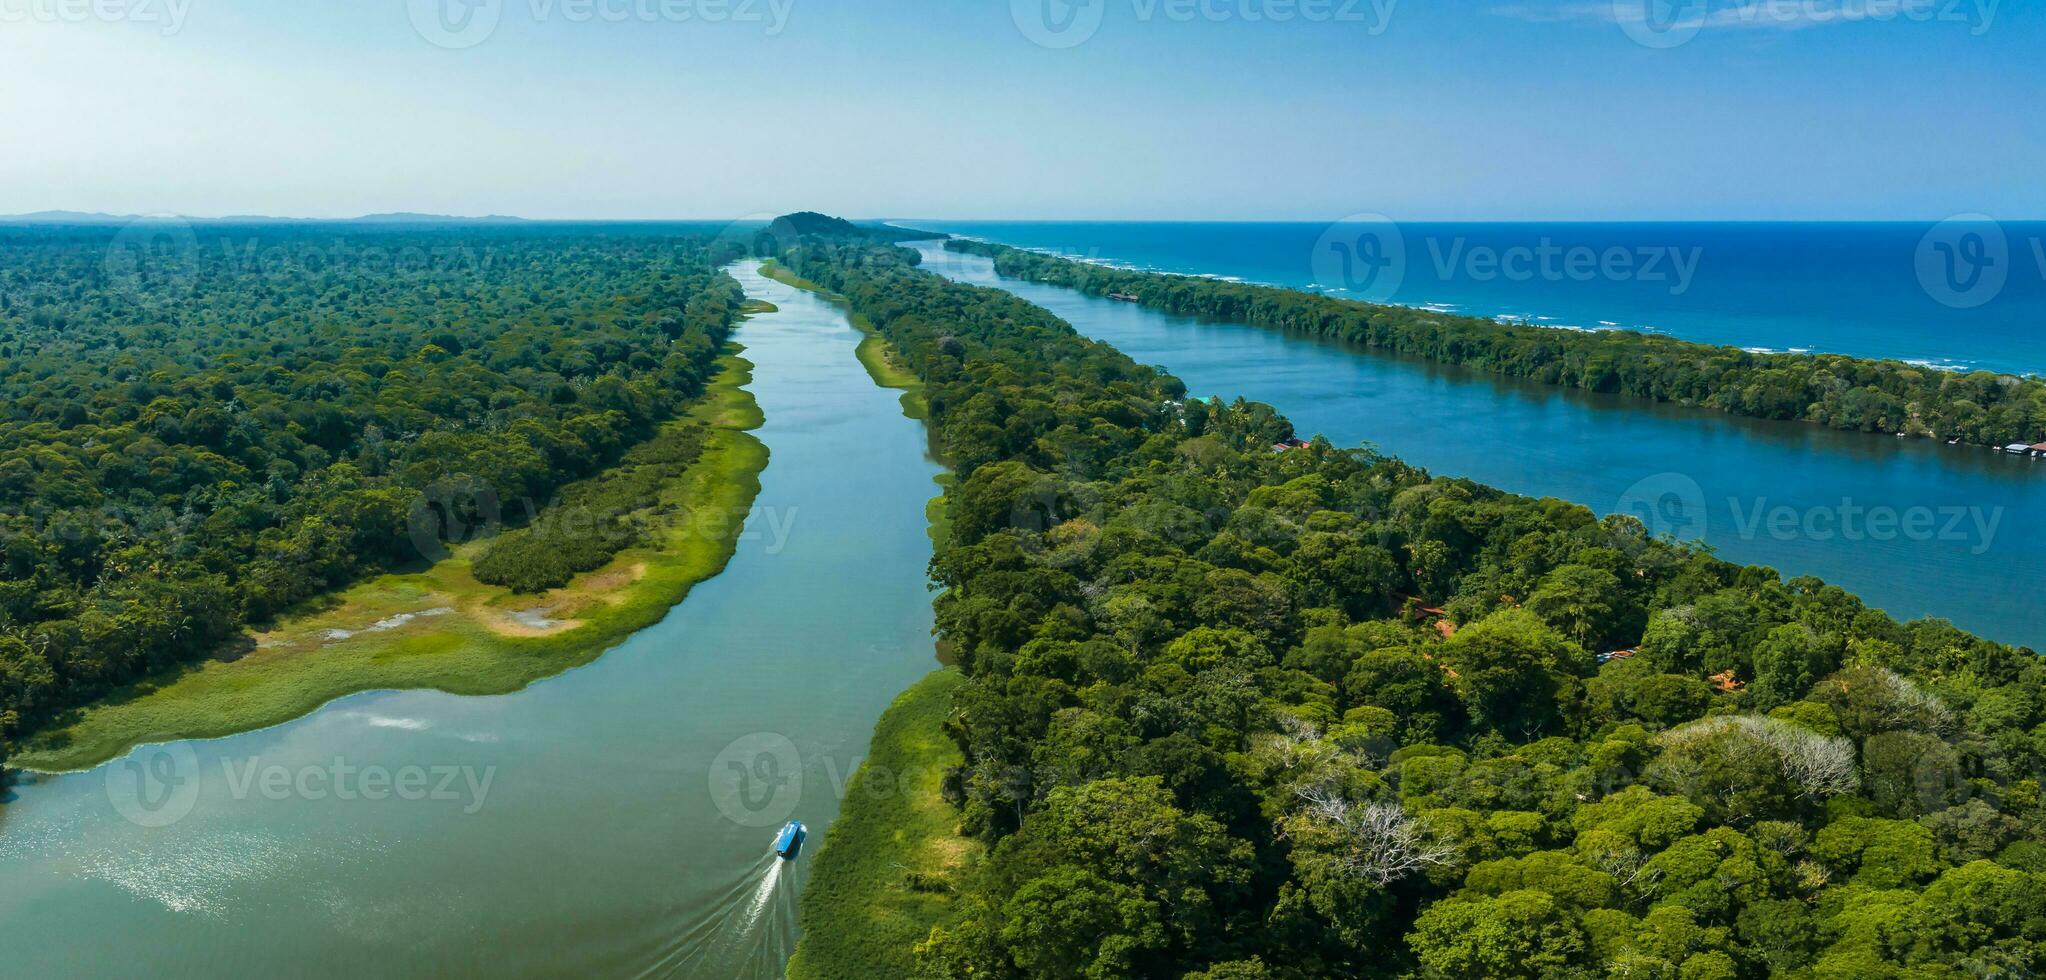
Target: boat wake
column 748, row 930
column 765, row 893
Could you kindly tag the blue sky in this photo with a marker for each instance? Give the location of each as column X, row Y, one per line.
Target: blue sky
column 1163, row 109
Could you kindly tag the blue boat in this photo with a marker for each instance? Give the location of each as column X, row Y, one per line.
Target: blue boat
column 789, row 842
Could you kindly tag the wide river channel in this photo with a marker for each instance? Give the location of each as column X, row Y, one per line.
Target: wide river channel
column 612, row 821
column 1915, row 527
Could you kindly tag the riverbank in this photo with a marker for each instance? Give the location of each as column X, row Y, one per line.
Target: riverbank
column 895, row 852
column 440, row 628
column 890, row 866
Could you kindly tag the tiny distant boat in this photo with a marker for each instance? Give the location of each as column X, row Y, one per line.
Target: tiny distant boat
column 789, row 842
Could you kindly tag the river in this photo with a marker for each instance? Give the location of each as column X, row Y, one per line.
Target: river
column 1914, row 527
column 611, row 821
column 1872, row 289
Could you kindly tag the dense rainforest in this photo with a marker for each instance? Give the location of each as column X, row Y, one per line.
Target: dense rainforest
column 1242, row 708
column 1978, row 407
column 200, row 435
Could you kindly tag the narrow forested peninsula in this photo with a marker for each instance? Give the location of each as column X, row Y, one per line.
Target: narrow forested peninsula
column 201, row 437
column 1862, row 394
column 1240, row 707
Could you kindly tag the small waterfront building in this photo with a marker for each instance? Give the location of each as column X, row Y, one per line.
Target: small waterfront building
column 2018, row 448
column 2039, row 449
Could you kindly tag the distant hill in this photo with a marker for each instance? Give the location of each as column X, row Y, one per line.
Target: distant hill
column 415, row 218
column 64, row 218
column 810, row 224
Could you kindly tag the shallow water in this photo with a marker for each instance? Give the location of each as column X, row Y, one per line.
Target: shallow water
column 1915, row 527
column 612, row 821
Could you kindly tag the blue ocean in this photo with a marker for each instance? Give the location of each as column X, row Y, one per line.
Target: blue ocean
column 1965, row 294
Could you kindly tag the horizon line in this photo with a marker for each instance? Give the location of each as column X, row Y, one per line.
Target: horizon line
column 59, row 216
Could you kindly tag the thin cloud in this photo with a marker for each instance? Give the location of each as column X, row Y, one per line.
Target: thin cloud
column 1778, row 14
